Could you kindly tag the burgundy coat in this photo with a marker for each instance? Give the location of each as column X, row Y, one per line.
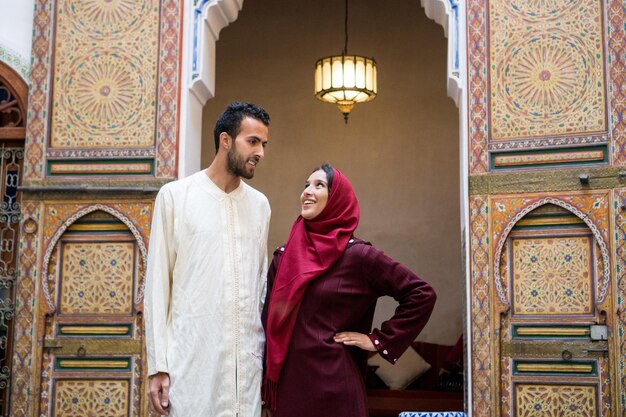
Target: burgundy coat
column 322, row 378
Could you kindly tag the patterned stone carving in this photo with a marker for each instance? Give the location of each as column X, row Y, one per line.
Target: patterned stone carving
column 21, row 400
column 80, row 398
column 478, row 82
column 482, row 331
column 97, row 278
column 552, row 276
column 617, row 77
column 47, row 370
column 547, row 71
column 105, row 73
column 555, row 400
column 169, row 86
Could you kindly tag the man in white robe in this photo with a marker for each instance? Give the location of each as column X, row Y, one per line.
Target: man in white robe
column 206, row 279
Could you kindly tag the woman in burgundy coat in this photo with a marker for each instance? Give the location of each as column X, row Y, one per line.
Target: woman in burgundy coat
column 322, row 291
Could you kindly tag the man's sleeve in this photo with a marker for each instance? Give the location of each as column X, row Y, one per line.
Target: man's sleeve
column 157, row 296
column 263, row 254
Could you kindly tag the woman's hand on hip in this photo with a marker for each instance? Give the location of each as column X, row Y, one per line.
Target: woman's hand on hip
column 359, row 340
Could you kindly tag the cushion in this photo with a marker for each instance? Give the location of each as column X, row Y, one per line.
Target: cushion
column 407, row 369
column 434, row 354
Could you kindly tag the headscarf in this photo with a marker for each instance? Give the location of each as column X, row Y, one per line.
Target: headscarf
column 313, row 247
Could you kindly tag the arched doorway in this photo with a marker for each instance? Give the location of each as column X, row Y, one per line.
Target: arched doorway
column 552, row 278
column 91, row 338
column 406, row 220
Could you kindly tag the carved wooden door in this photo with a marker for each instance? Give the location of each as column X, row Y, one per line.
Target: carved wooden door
column 91, row 363
column 555, row 335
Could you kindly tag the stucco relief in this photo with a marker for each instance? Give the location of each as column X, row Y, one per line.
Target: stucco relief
column 105, row 74
column 546, row 68
column 15, row 61
column 113, row 81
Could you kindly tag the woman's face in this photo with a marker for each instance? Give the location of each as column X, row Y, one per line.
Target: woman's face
column 315, row 195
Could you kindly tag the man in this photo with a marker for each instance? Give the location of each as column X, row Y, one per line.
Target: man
column 206, row 279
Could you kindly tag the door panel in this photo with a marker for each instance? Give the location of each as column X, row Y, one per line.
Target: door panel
column 93, row 344
column 553, row 340
column 555, row 400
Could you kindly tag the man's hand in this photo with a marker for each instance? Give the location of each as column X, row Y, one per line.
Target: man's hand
column 159, row 393
column 359, row 340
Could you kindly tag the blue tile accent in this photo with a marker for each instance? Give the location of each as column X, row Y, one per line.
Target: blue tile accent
column 454, row 8
column 197, row 12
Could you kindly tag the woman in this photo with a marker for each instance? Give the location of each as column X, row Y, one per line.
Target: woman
column 323, row 287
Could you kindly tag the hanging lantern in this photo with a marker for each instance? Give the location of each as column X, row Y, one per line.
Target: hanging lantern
column 345, row 79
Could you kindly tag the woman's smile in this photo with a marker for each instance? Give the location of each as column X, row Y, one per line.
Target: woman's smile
column 315, row 195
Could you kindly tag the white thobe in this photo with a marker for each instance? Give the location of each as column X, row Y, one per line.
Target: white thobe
column 205, row 285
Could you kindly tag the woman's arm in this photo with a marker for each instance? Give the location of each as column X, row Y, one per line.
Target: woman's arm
column 415, row 296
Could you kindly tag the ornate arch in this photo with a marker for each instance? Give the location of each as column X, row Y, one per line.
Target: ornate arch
column 602, row 284
column 13, row 103
column 15, row 61
column 211, row 16
column 55, row 238
column 446, row 13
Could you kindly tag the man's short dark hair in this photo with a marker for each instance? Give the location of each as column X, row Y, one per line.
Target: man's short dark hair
column 230, row 120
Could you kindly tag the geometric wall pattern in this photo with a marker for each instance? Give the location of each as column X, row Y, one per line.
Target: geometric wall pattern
column 512, row 99
column 546, row 68
column 104, row 87
column 546, row 82
column 555, row 400
column 97, row 278
column 80, row 398
column 552, row 275
column 105, row 74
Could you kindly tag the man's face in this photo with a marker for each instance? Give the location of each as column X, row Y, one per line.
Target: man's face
column 248, row 148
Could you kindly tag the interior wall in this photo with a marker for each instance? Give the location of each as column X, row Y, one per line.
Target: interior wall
column 400, row 151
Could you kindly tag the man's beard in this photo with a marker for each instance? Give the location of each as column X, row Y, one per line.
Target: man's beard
column 237, row 165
